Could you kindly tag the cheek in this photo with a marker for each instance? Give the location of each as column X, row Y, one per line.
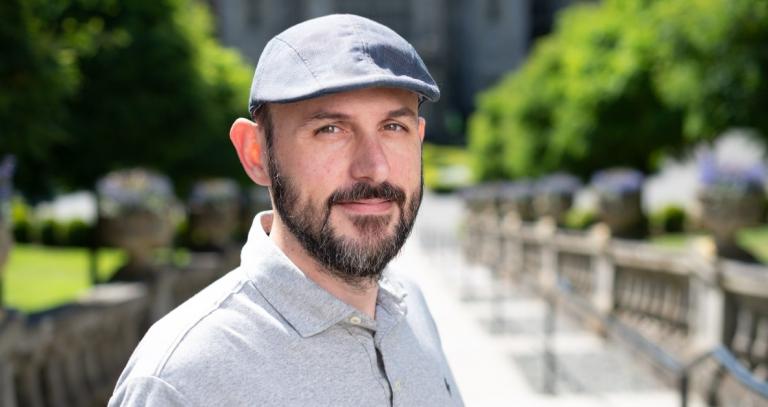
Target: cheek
column 406, row 166
column 317, row 176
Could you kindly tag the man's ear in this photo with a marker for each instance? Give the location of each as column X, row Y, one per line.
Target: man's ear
column 422, row 127
column 250, row 144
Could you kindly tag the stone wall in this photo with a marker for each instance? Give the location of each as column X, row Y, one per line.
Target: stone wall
column 702, row 321
column 72, row 355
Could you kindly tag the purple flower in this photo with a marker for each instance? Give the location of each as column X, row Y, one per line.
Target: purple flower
column 7, row 167
column 131, row 189
column 213, row 191
column 733, row 177
column 618, row 181
column 517, row 190
column 558, row 183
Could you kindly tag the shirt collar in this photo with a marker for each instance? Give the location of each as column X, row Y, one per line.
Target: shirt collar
column 307, row 307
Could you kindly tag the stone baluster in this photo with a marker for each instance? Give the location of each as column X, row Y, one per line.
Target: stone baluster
column 707, row 314
column 604, row 272
column 11, row 331
column 546, row 228
column 512, row 244
column 31, row 359
column 162, row 294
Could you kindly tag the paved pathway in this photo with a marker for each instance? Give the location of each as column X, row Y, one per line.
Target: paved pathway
column 506, row 367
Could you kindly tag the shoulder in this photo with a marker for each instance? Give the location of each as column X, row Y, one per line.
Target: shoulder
column 213, row 336
column 164, row 336
column 147, row 391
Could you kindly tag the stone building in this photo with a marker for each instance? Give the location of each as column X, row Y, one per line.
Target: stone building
column 467, row 44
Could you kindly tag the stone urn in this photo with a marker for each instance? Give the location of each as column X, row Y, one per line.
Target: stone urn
column 730, row 199
column 516, row 199
column 213, row 210
column 483, row 201
column 5, row 242
column 619, row 202
column 553, row 196
column 6, row 191
column 254, row 201
column 259, row 199
column 137, row 211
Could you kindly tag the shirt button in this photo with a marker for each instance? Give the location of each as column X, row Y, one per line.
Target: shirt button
column 355, row 320
column 397, row 386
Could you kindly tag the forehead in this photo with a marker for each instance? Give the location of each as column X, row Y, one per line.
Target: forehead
column 355, row 103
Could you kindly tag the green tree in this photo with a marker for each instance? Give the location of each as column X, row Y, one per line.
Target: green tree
column 38, row 73
column 149, row 86
column 620, row 82
column 712, row 63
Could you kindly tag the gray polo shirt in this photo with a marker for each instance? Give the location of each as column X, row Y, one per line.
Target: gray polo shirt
column 265, row 335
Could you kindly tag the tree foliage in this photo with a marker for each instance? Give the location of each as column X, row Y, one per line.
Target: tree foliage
column 619, row 82
column 97, row 85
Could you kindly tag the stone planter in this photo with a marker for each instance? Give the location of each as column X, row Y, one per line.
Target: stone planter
column 731, row 196
column 724, row 213
column 516, row 199
column 255, row 200
column 139, row 232
column 213, row 211
column 6, row 173
column 619, row 202
column 5, row 243
column 259, row 199
column 554, row 196
column 136, row 213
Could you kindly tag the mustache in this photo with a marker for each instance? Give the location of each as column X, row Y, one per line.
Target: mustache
column 361, row 190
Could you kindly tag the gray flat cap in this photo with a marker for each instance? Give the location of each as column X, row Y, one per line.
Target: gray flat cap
column 337, row 53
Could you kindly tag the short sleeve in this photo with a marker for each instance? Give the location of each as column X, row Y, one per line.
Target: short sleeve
column 147, row 391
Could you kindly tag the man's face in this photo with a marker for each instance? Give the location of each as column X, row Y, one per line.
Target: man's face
column 346, row 176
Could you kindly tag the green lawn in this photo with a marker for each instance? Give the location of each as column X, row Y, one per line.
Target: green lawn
column 38, row 277
column 756, row 240
column 753, row 239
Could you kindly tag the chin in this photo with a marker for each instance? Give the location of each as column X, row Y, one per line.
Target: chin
column 370, row 225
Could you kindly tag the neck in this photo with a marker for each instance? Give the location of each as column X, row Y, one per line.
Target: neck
column 362, row 297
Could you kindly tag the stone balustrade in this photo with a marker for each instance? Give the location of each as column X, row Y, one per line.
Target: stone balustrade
column 700, row 319
column 72, row 355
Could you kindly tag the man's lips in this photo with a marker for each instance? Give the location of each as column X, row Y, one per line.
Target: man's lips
column 367, row 206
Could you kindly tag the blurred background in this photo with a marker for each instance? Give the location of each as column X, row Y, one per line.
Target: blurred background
column 594, row 229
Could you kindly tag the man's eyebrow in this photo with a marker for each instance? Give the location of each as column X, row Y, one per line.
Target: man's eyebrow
column 330, row 115
column 326, row 115
column 403, row 111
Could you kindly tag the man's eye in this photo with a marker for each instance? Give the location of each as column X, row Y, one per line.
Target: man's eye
column 329, row 129
column 394, row 127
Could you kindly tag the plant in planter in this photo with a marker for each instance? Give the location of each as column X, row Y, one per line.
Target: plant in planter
column 259, row 198
column 480, row 200
column 517, row 198
column 256, row 199
column 731, row 197
column 137, row 211
column 619, row 200
column 213, row 211
column 476, row 205
column 6, row 191
column 554, row 195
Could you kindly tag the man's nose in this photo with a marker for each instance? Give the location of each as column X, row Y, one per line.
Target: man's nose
column 370, row 161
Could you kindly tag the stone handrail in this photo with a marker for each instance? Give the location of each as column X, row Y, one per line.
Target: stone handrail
column 72, row 355
column 686, row 301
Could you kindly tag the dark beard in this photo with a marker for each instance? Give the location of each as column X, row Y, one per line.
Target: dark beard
column 356, row 262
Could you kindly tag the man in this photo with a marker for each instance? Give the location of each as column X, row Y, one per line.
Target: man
column 311, row 317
